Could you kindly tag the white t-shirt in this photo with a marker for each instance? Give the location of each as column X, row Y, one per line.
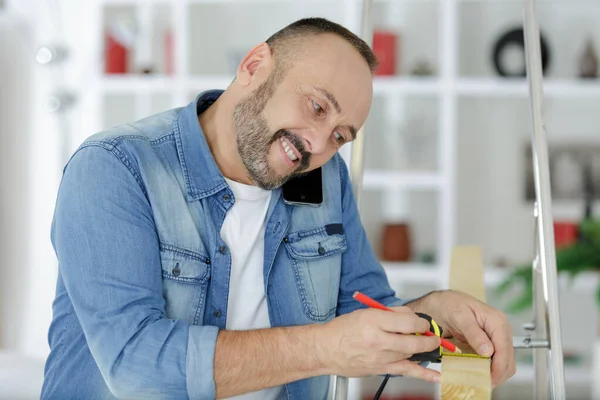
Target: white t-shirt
column 243, row 230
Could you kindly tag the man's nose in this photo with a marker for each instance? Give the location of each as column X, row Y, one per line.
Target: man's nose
column 315, row 140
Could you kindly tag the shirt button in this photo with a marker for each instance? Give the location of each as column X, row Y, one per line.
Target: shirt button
column 176, row 271
column 207, row 261
column 226, row 197
column 285, row 239
column 321, row 250
column 217, row 313
column 223, row 249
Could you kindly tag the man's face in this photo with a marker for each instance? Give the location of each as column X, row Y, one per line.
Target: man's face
column 287, row 127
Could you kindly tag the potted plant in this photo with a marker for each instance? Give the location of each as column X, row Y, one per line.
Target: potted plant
column 582, row 255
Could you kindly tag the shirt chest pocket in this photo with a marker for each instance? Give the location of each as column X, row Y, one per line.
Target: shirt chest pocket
column 185, row 281
column 316, row 260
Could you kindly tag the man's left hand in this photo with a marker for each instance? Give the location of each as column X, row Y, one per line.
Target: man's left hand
column 469, row 320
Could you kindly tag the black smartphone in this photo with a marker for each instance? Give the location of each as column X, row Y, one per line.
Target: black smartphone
column 305, row 190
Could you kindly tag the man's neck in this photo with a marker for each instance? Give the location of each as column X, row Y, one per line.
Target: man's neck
column 218, row 127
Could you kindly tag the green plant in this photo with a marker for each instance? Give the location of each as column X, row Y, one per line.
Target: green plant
column 582, row 255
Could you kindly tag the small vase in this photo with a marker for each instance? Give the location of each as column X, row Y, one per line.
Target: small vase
column 396, row 242
column 588, row 63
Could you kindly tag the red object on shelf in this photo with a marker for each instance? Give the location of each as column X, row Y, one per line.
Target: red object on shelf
column 169, row 54
column 384, row 47
column 565, row 233
column 116, row 56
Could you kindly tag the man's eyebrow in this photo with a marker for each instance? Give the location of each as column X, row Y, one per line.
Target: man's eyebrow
column 331, row 99
column 337, row 107
column 353, row 131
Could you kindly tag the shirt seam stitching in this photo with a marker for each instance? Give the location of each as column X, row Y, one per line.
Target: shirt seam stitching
column 118, row 154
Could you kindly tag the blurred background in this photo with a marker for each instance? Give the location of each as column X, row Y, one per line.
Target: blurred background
column 447, row 157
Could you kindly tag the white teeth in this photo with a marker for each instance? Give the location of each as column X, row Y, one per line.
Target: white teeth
column 291, row 155
column 288, row 150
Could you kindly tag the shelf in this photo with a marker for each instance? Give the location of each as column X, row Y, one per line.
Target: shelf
column 574, row 375
column 406, row 85
column 141, row 2
column 146, row 2
column 149, row 83
column 381, row 85
column 414, row 272
column 520, row 2
column 133, row 2
column 484, row 87
column 131, row 83
column 385, row 179
column 495, row 87
column 400, row 272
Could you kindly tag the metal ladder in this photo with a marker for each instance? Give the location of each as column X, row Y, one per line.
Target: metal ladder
column 545, row 331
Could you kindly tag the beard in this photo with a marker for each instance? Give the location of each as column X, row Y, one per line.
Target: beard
column 254, row 138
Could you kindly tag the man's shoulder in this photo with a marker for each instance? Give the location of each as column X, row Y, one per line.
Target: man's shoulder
column 149, row 131
column 336, row 169
column 139, row 145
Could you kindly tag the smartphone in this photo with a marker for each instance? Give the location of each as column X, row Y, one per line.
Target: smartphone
column 305, row 190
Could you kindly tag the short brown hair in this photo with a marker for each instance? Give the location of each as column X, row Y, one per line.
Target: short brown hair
column 284, row 40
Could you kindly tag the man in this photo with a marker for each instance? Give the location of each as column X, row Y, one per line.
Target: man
column 183, row 274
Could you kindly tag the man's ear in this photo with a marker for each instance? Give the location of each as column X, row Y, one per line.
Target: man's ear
column 258, row 61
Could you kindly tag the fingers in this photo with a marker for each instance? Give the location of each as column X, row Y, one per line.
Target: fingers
column 477, row 337
column 410, row 344
column 402, row 309
column 401, row 321
column 503, row 361
column 413, row 370
column 493, row 338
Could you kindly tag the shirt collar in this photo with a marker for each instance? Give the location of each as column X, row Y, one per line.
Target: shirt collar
column 200, row 171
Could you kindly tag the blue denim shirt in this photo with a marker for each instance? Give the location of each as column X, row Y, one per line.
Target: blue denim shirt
column 144, row 274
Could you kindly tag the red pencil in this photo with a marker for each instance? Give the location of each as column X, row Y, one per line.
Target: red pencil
column 366, row 300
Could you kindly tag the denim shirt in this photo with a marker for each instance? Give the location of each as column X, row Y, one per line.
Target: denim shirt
column 143, row 273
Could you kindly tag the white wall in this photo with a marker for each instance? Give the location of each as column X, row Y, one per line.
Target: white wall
column 28, row 268
column 15, row 140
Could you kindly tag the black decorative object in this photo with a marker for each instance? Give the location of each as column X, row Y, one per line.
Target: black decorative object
column 516, row 37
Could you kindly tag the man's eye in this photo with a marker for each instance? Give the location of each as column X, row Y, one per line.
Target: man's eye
column 338, row 137
column 318, row 109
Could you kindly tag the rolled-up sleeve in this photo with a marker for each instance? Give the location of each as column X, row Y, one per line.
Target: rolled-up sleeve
column 107, row 247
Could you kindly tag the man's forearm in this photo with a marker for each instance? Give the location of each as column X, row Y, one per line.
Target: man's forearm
column 247, row 361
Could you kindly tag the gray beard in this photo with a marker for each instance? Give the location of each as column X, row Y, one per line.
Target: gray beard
column 254, row 140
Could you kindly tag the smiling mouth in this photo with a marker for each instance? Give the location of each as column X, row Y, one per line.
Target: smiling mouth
column 290, row 150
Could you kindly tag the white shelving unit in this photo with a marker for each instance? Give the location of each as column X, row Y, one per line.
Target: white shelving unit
column 444, row 91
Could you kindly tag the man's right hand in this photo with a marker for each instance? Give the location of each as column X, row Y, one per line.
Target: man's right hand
column 375, row 342
column 361, row 343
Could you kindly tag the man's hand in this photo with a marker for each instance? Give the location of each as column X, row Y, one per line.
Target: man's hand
column 361, row 343
column 469, row 320
column 376, row 342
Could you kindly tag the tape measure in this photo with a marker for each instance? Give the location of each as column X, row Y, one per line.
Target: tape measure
column 435, row 355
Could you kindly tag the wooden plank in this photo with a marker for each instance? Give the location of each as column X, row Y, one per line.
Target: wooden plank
column 463, row 377
column 466, row 271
